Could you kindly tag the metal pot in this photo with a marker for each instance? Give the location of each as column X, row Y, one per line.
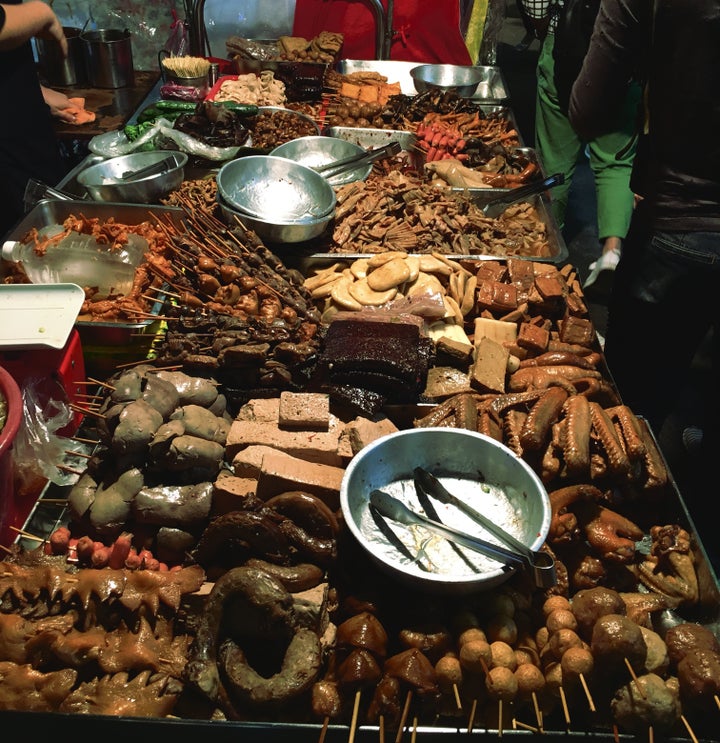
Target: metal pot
column 108, row 57
column 55, row 69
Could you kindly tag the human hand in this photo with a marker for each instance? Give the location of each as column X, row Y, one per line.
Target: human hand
column 60, row 105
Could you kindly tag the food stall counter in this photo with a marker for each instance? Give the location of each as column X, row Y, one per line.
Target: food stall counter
column 113, row 107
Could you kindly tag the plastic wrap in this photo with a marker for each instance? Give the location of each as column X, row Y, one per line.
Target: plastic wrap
column 114, row 146
column 37, row 444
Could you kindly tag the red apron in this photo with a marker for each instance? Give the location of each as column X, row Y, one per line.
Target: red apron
column 424, row 30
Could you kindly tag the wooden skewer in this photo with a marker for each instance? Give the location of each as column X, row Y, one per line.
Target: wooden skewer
column 6, row 549
column 525, row 726
column 616, row 734
column 353, row 722
column 90, row 402
column 587, row 692
column 634, row 678
column 538, row 713
column 458, row 701
column 323, row 730
column 26, row 534
column 87, row 396
column 102, row 384
column 563, row 699
column 71, row 470
column 413, row 736
column 689, row 729
column 717, row 700
column 85, row 441
column 78, row 454
column 651, row 734
column 86, row 411
column 500, row 718
column 403, row 717
column 471, row 718
column 381, row 728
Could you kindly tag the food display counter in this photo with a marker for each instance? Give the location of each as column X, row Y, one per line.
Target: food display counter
column 223, row 451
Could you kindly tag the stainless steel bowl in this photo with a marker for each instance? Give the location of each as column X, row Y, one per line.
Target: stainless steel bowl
column 275, row 190
column 460, row 79
column 482, row 472
column 273, row 231
column 316, row 151
column 105, row 181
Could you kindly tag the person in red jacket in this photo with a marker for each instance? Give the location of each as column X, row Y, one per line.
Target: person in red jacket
column 422, row 31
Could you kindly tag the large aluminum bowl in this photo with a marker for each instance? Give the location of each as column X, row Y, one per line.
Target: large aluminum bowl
column 484, row 473
column 275, row 190
column 275, row 232
column 104, row 181
column 460, row 79
column 320, row 150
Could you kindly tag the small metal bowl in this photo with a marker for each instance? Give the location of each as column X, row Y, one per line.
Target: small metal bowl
column 276, row 232
column 275, row 190
column 320, row 150
column 104, row 181
column 482, row 472
column 463, row 80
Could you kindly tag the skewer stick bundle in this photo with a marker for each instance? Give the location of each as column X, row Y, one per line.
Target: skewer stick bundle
column 186, row 67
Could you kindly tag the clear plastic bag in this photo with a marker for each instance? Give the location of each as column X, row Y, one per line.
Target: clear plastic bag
column 178, row 43
column 37, row 446
column 118, row 143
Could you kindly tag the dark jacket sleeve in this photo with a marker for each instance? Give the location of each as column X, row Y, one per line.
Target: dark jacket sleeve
column 612, row 61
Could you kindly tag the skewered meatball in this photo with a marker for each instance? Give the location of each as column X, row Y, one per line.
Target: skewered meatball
column 615, row 640
column 653, row 704
column 590, row 604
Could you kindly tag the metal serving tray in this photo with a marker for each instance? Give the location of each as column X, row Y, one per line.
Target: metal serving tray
column 670, row 508
column 309, row 260
column 492, row 87
column 104, row 342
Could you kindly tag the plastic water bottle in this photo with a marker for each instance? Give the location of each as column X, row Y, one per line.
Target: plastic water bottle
column 79, row 259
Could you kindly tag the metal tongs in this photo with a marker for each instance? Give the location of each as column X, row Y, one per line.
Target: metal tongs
column 161, row 166
column 337, row 167
column 540, row 564
column 495, row 207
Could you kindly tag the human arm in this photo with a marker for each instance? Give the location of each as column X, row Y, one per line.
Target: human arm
column 617, row 45
column 32, row 18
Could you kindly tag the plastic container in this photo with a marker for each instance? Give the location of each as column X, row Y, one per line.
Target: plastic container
column 79, row 259
column 11, row 402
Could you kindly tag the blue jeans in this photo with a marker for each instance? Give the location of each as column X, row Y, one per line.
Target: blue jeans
column 666, row 297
